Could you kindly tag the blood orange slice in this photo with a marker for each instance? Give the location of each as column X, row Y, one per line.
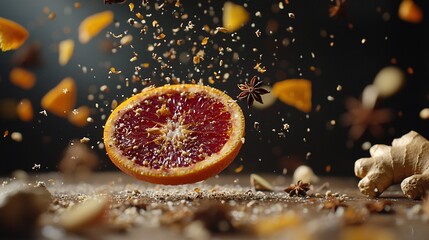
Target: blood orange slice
column 175, row 134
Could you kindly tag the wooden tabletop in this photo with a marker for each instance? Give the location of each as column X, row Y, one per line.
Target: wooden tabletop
column 332, row 209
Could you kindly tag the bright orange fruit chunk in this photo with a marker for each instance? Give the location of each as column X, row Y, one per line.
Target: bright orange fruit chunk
column 294, row 92
column 24, row 109
column 66, row 48
column 92, row 25
column 61, row 99
column 410, row 12
column 22, row 78
column 12, row 35
column 234, row 16
column 79, row 116
column 175, row 134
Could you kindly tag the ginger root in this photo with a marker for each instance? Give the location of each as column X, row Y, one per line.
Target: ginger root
column 407, row 160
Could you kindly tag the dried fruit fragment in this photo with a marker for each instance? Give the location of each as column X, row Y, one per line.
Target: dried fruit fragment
column 234, row 16
column 272, row 224
column 294, row 92
column 410, row 12
column 22, row 78
column 79, row 116
column 92, row 25
column 25, row 110
column 12, row 35
column 61, row 99
column 66, row 48
column 259, row 183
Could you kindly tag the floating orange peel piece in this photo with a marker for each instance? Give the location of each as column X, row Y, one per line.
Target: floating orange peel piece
column 24, row 109
column 61, row 99
column 22, row 78
column 80, row 116
column 12, row 35
column 92, row 25
column 294, row 92
column 234, row 16
column 66, row 48
column 410, row 12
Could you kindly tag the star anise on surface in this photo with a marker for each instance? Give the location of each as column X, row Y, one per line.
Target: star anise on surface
column 252, row 91
column 299, row 189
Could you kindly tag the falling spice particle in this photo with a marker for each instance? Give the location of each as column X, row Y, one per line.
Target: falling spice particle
column 66, row 48
column 204, row 41
column 113, row 70
column 52, row 16
column 131, row 6
column 126, row 40
column 12, row 35
column 239, row 169
column 93, row 25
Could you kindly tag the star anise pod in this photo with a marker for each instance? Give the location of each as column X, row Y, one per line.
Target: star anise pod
column 252, row 91
column 334, row 204
column 299, row 189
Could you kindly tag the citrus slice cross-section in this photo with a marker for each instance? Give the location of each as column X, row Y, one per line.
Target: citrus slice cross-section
column 175, row 134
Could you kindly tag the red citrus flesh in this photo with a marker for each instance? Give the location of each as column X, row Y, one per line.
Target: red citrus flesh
column 175, row 134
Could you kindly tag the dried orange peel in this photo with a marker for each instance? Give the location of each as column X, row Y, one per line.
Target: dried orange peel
column 22, row 78
column 93, row 25
column 61, row 99
column 175, row 134
column 12, row 35
column 294, row 92
column 234, row 16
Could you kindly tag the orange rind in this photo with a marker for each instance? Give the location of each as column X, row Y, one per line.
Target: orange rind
column 22, row 78
column 61, row 99
column 12, row 35
column 294, row 92
column 93, row 25
column 175, row 134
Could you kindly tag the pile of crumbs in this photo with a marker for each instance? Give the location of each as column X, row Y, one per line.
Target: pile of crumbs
column 203, row 210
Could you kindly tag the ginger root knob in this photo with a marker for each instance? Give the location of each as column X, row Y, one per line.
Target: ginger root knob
column 405, row 162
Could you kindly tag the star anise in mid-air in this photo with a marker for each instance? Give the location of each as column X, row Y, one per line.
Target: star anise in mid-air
column 252, row 91
column 299, row 189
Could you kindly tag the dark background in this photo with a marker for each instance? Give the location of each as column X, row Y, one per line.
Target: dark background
column 348, row 63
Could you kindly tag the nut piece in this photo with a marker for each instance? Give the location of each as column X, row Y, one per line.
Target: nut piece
column 89, row 212
column 305, row 174
column 259, row 183
column 20, row 208
column 92, row 25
